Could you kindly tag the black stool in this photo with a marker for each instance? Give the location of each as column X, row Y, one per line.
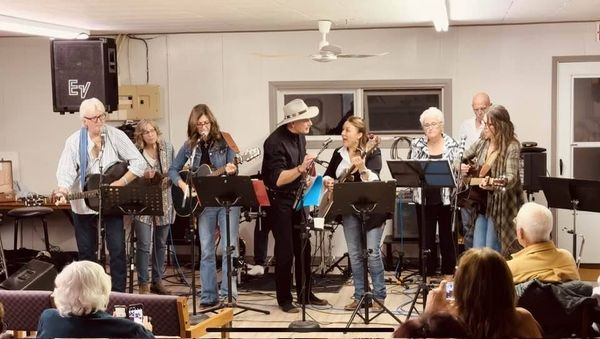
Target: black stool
column 22, row 213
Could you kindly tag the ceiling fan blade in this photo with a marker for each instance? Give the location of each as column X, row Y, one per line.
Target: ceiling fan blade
column 323, row 57
column 361, row 55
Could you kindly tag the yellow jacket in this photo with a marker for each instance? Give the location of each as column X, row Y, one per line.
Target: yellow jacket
column 543, row 261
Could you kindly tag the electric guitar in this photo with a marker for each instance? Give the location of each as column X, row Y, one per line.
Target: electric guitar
column 91, row 189
column 181, row 202
column 327, row 200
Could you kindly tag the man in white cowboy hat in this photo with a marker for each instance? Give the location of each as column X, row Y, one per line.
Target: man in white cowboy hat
column 285, row 165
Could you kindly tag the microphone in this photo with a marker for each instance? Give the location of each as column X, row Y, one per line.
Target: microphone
column 102, row 138
column 326, row 142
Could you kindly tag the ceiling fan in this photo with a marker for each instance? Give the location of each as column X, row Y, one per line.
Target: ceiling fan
column 328, row 52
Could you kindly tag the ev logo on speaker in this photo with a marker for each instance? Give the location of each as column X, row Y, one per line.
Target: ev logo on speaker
column 75, row 89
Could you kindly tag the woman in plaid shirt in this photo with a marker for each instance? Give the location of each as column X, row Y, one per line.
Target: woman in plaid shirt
column 500, row 149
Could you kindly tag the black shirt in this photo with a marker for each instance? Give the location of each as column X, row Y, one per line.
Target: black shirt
column 204, row 158
column 283, row 150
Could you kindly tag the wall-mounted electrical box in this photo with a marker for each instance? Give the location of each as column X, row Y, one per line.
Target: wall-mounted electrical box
column 137, row 102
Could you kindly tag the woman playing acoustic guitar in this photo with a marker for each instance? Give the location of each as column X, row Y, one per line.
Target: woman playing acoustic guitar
column 359, row 160
column 497, row 155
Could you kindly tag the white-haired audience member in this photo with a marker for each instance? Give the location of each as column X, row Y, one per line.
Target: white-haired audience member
column 539, row 258
column 81, row 296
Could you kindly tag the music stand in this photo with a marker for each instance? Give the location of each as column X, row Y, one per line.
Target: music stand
column 227, row 192
column 364, row 199
column 422, row 173
column 571, row 194
column 132, row 200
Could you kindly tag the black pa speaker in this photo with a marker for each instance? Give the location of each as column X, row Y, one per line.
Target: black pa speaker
column 83, row 69
column 34, row 275
column 533, row 165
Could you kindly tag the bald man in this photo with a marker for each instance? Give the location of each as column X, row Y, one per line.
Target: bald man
column 472, row 127
column 539, row 258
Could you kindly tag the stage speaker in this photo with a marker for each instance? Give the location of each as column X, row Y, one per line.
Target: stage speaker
column 532, row 166
column 405, row 221
column 34, row 275
column 83, row 69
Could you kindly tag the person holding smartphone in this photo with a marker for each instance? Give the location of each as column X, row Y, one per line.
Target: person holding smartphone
column 81, row 297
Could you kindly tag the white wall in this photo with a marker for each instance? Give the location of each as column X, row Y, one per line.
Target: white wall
column 511, row 63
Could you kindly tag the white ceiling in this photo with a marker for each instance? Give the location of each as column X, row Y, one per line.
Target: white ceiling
column 170, row 16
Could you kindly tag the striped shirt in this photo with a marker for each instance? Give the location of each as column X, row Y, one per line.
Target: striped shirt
column 118, row 148
column 419, row 150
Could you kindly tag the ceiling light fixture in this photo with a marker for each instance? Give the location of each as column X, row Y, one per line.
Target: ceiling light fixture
column 440, row 16
column 31, row 27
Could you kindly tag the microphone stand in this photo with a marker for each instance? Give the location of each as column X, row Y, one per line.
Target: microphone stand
column 305, row 293
column 102, row 232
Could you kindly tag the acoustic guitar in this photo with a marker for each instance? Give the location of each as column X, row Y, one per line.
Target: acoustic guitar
column 473, row 196
column 91, row 189
column 327, row 200
column 181, row 202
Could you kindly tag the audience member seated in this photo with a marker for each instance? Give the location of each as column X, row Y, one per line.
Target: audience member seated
column 539, row 259
column 81, row 296
column 3, row 334
column 484, row 302
column 432, row 325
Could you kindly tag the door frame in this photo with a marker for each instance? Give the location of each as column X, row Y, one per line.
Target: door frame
column 556, row 60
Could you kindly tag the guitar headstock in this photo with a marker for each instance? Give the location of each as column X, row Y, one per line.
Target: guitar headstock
column 372, row 143
column 34, row 200
column 248, row 155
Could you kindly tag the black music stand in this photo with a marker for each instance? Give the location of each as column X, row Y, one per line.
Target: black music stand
column 227, row 192
column 423, row 174
column 571, row 194
column 132, row 200
column 364, row 199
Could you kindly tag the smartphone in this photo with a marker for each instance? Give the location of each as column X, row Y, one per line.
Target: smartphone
column 450, row 290
column 120, row 311
column 135, row 312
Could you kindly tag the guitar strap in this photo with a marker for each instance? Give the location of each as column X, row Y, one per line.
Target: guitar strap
column 83, row 155
column 487, row 166
column 230, row 142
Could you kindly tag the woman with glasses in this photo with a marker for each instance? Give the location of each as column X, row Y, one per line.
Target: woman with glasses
column 435, row 144
column 496, row 155
column 207, row 145
column 152, row 231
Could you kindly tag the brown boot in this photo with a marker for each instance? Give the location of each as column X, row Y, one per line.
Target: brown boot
column 144, row 288
column 159, row 288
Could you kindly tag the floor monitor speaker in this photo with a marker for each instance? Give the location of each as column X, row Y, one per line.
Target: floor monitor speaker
column 34, row 275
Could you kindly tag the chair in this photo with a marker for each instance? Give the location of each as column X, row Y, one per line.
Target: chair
column 573, row 316
column 23, row 213
column 169, row 314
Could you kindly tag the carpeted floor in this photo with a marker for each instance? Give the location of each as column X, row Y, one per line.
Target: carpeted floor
column 328, row 284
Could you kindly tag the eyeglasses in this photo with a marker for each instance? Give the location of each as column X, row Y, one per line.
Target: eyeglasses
column 96, row 118
column 480, row 109
column 149, row 131
column 202, row 124
column 431, row 125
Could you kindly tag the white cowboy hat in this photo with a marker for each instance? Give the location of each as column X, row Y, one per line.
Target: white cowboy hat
column 297, row 110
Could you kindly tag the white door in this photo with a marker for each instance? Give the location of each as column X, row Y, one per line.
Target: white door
column 578, row 148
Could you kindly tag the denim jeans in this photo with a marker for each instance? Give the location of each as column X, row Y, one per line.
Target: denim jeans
column 352, row 233
column 468, row 227
column 485, row 233
column 207, row 225
column 86, row 236
column 143, row 233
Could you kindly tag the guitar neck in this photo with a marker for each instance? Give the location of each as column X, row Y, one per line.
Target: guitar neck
column 83, row 195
